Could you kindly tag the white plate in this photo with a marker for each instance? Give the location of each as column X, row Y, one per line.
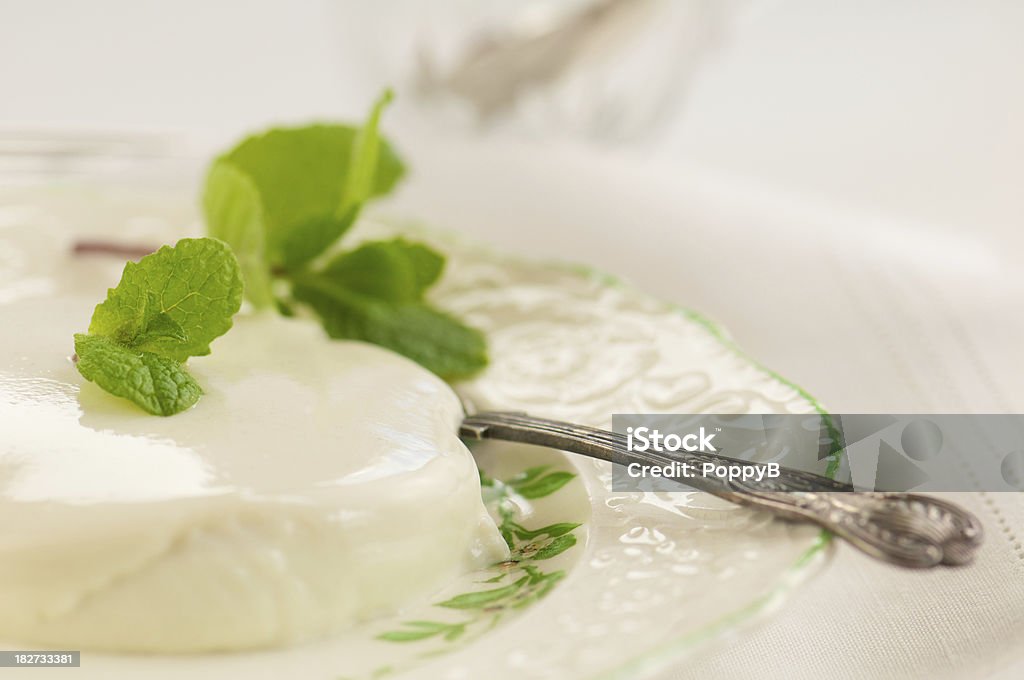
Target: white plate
column 648, row 577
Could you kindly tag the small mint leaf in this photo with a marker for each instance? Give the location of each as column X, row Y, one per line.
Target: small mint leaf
column 427, row 264
column 432, row 338
column 377, row 270
column 167, row 307
column 157, row 384
column 196, row 283
column 160, row 328
column 393, row 271
column 156, row 328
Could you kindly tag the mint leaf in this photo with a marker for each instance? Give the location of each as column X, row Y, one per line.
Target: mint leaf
column 196, row 283
column 234, row 214
column 159, row 385
column 432, row 338
column 310, row 181
column 158, row 326
column 167, row 307
column 394, row 271
column 427, row 264
column 162, row 327
column 376, row 270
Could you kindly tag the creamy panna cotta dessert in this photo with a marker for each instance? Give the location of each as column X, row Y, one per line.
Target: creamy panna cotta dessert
column 316, row 484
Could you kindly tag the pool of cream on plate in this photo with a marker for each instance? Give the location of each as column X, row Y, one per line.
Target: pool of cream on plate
column 315, row 484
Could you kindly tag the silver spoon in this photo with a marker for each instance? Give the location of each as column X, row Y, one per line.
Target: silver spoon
column 909, row 530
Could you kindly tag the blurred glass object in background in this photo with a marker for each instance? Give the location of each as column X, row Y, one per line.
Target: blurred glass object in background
column 606, row 70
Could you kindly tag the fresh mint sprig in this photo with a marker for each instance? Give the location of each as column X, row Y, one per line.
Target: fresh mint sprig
column 167, row 307
column 375, row 293
column 282, row 199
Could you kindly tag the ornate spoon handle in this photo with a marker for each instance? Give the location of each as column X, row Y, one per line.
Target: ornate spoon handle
column 910, row 530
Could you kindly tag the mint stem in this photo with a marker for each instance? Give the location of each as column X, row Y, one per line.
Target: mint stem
column 91, row 247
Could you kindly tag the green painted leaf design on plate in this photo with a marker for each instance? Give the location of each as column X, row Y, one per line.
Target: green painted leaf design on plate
column 556, row 547
column 420, row 630
column 520, row 581
column 551, row 531
column 533, row 483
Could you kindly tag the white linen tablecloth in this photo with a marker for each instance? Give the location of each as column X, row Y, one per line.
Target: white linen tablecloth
column 864, row 620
